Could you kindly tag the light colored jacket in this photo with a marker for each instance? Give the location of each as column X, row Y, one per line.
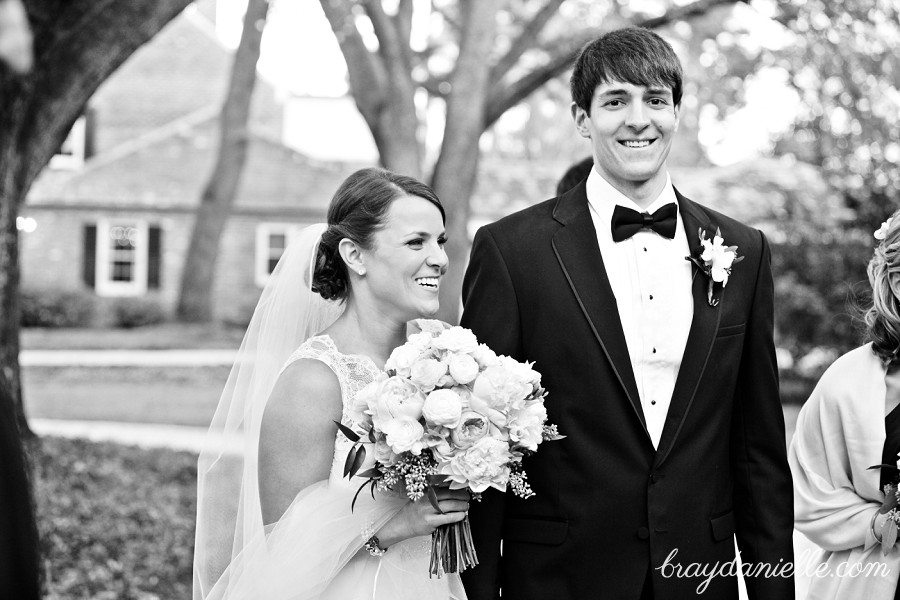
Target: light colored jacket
column 840, row 433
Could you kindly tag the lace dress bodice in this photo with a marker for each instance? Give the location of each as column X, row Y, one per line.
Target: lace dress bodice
column 354, row 372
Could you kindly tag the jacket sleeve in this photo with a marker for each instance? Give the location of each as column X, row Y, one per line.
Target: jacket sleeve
column 491, row 311
column 763, row 495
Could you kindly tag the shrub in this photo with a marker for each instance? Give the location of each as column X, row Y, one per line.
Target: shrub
column 56, row 308
column 136, row 312
column 115, row 521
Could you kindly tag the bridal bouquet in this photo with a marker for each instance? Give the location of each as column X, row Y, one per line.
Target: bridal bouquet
column 448, row 410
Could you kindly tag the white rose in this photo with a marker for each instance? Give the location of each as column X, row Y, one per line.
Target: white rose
column 402, row 358
column 394, row 397
column 383, row 453
column 404, row 434
column 485, row 356
column 522, row 371
column 501, row 388
column 527, row 427
column 457, row 339
column 472, row 427
column 443, row 407
column 421, row 340
column 485, row 464
column 463, row 368
column 427, row 372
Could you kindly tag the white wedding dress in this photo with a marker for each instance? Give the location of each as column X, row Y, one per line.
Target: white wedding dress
column 315, row 551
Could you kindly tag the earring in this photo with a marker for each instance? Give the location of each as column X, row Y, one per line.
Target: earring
column 361, row 271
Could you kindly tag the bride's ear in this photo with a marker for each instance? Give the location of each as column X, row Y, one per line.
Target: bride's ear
column 352, row 256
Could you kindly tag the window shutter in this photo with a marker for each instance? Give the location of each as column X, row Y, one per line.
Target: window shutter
column 154, row 257
column 89, row 264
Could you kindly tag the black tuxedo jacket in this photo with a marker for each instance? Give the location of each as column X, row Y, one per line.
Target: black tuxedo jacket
column 608, row 506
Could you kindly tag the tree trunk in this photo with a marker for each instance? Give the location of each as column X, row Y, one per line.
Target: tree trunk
column 198, row 276
column 10, row 200
column 78, row 45
column 456, row 168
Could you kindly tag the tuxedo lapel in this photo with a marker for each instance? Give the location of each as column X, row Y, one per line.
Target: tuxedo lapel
column 578, row 252
column 700, row 339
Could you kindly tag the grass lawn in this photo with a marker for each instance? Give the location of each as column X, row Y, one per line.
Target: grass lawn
column 173, row 396
column 154, row 337
column 116, row 522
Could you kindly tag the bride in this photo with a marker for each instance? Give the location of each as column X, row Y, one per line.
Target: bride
column 274, row 518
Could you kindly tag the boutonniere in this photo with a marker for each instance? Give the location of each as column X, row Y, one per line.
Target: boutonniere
column 715, row 260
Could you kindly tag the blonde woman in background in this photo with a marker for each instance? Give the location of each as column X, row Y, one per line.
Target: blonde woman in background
column 850, row 423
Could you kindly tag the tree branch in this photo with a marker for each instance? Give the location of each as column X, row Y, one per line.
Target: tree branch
column 525, row 40
column 392, row 46
column 364, row 68
column 404, row 21
column 86, row 41
column 504, row 98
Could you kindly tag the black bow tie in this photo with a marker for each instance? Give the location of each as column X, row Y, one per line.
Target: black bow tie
column 627, row 222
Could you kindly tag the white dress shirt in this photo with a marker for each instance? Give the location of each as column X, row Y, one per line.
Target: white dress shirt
column 651, row 281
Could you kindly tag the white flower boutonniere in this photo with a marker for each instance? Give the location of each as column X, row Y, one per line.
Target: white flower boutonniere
column 715, row 260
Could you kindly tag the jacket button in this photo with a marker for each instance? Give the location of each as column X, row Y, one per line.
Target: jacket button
column 655, row 477
column 643, row 533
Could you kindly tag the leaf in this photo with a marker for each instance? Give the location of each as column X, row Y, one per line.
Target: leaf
column 888, row 536
column 356, row 495
column 349, row 433
column 373, row 473
column 432, row 497
column 372, row 435
column 351, row 458
column 358, row 461
column 437, row 479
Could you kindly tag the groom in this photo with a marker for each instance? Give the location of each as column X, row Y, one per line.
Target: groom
column 665, row 384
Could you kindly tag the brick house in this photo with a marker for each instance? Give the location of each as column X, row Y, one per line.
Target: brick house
column 113, row 212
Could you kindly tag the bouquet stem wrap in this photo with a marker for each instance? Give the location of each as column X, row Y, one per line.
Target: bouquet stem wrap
column 452, row 549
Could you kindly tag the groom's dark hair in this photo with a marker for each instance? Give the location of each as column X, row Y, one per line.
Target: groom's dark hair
column 633, row 55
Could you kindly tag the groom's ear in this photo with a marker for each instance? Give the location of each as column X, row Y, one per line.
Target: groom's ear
column 352, row 255
column 580, row 116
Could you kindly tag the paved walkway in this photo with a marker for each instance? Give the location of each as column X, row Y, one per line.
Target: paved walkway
column 127, row 358
column 145, row 435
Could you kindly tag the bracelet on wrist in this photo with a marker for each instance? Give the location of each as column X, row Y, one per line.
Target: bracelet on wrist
column 370, row 541
column 872, row 526
column 373, row 546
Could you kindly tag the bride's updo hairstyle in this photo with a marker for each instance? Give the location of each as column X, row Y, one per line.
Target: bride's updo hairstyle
column 356, row 212
column 883, row 318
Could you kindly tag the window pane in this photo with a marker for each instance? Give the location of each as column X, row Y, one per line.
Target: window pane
column 123, row 252
column 277, row 241
column 122, row 271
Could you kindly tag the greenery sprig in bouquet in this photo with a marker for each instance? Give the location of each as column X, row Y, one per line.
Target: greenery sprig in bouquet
column 448, row 411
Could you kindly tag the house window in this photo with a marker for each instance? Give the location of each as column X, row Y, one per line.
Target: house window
column 271, row 240
column 73, row 151
column 122, row 258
